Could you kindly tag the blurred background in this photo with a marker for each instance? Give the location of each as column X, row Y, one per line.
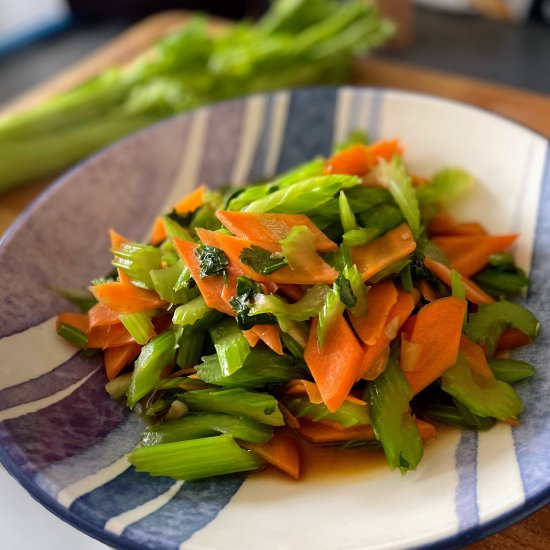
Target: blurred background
column 503, row 40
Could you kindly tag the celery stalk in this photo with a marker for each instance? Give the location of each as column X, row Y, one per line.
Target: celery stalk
column 139, row 325
column 348, row 414
column 195, row 459
column 511, row 370
column 231, row 346
column 190, row 347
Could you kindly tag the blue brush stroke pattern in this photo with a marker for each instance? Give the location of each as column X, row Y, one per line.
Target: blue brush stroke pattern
column 466, row 491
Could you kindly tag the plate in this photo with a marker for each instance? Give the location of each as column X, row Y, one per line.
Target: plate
column 65, row 441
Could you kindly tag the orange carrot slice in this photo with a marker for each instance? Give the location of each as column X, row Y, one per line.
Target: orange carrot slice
column 158, row 233
column 280, row 451
column 334, row 365
column 126, row 298
column 100, row 314
column 384, row 251
column 381, row 297
column 270, row 335
column 117, row 358
column 427, row 290
column 476, row 359
column 271, row 228
column 294, row 292
column 376, row 355
column 191, row 202
column 211, row 288
column 444, row 224
column 76, row 320
column 473, row 293
column 470, row 253
column 116, row 241
column 512, row 338
column 317, row 271
column 438, row 330
column 357, row 160
column 251, row 337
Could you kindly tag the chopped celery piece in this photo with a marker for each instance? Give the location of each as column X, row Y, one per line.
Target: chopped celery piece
column 232, row 348
column 306, row 307
column 393, row 176
column 388, row 398
column 185, row 280
column 180, row 382
column 486, row 326
column 359, row 290
column 347, row 297
column 139, row 325
column 298, row 247
column 72, row 335
column 347, row 217
column 82, row 299
column 294, row 347
column 237, row 401
column 382, row 216
column 348, row 414
column 164, row 282
column 359, row 237
column 445, row 187
column 340, row 258
column 242, row 303
column 298, row 330
column 511, row 370
column 137, row 260
column 117, row 387
column 303, row 195
column 452, row 415
column 195, row 313
column 261, row 367
column 153, row 358
column 405, row 278
column 332, row 310
column 243, row 197
column 502, row 277
column 457, row 286
column 206, row 218
column 309, row 169
column 195, row 459
column 198, row 425
column 495, row 398
column 190, row 347
column 175, row 229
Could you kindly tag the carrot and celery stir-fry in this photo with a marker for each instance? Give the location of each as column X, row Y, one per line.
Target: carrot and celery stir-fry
column 338, row 304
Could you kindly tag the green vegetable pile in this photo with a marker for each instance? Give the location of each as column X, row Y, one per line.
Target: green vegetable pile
column 320, row 306
column 298, row 42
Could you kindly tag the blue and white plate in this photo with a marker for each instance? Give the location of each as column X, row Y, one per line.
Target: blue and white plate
column 65, row 440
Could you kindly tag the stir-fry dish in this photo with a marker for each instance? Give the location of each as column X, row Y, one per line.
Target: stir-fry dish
column 338, row 304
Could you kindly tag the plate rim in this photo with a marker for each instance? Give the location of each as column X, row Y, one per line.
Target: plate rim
column 458, row 540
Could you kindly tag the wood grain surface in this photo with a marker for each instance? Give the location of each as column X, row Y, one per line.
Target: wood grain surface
column 531, row 109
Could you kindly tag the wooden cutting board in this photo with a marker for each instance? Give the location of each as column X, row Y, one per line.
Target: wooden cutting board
column 528, row 108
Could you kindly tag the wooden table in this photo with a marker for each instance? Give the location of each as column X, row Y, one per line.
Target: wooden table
column 531, row 109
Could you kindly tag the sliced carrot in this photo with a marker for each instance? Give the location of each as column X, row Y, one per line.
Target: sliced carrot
column 108, row 336
column 512, row 338
column 127, row 298
column 100, row 314
column 191, row 202
column 438, row 330
column 303, row 387
column 270, row 335
column 358, row 159
column 384, row 251
column 408, row 326
column 376, row 356
column 477, row 361
column 321, row 433
column 444, row 224
column 271, row 228
column 427, row 290
column 116, row 241
column 470, row 253
column 76, row 320
column 473, row 293
column 333, row 365
column 381, row 297
column 280, row 451
column 317, row 271
column 117, row 358
column 211, row 288
column 294, row 292
column 251, row 337
column 158, row 233
column 290, row 420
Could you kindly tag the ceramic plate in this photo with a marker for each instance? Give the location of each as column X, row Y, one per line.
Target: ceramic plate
column 65, row 440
